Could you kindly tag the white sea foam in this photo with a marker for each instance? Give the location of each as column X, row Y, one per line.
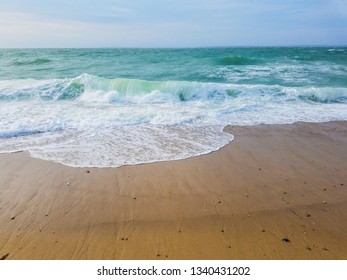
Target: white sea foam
column 92, row 121
column 118, row 146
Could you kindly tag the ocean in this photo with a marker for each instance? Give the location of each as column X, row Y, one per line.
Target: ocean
column 115, row 107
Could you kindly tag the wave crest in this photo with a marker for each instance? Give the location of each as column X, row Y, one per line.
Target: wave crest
column 138, row 91
column 94, row 89
column 238, row 60
column 36, row 61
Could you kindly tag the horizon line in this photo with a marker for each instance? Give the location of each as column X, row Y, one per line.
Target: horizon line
column 196, row 47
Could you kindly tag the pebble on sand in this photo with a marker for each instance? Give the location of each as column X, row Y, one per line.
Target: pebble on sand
column 4, row 257
column 285, row 239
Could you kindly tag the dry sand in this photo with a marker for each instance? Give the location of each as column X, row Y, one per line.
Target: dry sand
column 272, row 184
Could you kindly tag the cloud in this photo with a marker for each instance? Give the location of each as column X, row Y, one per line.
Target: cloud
column 166, row 23
column 26, row 30
column 20, row 29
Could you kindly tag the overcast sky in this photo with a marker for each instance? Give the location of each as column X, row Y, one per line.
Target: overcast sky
column 171, row 23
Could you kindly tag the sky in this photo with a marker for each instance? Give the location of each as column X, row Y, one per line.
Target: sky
column 171, row 23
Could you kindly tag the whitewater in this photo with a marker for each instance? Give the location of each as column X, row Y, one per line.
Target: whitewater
column 115, row 107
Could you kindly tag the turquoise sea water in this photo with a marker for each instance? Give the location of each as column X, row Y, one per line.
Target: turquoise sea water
column 113, row 107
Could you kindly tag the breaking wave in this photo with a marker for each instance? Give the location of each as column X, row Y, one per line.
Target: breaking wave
column 89, row 88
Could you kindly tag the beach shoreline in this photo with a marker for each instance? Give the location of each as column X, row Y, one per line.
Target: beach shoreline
column 274, row 192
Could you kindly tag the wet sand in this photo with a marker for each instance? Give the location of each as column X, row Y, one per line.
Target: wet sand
column 275, row 192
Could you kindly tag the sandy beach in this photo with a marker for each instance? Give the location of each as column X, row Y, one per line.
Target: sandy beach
column 275, row 192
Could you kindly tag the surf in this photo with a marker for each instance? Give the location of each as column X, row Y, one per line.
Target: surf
column 94, row 89
column 114, row 107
